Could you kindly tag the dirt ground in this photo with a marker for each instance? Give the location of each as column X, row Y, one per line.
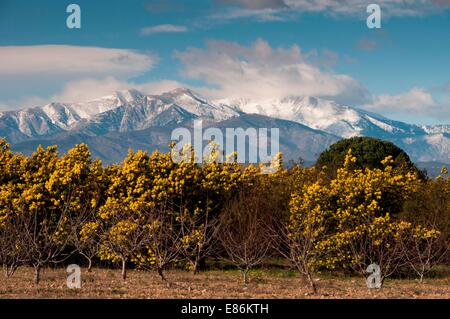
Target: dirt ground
column 107, row 283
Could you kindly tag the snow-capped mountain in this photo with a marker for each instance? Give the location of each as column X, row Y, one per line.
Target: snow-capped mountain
column 54, row 118
column 25, row 124
column 132, row 112
column 198, row 105
column 325, row 115
column 295, row 141
column 144, row 111
column 422, row 143
column 121, row 111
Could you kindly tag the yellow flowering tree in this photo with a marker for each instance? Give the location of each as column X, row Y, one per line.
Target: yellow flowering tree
column 429, row 212
column 307, row 227
column 78, row 184
column 356, row 216
column 121, row 219
column 43, row 222
column 13, row 252
column 215, row 183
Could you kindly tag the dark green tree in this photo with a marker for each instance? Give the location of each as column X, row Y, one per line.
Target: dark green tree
column 369, row 153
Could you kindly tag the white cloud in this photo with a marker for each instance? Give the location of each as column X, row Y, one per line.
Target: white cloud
column 415, row 100
column 34, row 72
column 88, row 89
column 414, row 104
column 164, row 28
column 358, row 7
column 72, row 60
column 4, row 107
column 265, row 14
column 161, row 86
column 282, row 9
column 92, row 88
column 266, row 72
column 260, row 4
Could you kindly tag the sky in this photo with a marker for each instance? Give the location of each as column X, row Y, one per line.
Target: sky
column 259, row 49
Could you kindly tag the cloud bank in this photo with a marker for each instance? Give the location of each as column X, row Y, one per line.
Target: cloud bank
column 45, row 68
column 72, row 60
column 234, row 70
column 282, row 9
column 164, row 28
column 414, row 103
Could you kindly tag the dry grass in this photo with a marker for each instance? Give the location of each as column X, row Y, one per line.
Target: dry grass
column 107, row 283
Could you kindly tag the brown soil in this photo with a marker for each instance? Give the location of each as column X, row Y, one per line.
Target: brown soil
column 107, row 283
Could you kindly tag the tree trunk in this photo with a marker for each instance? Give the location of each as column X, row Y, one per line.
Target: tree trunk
column 421, row 274
column 6, row 270
column 9, row 271
column 195, row 267
column 311, row 282
column 124, row 269
column 161, row 274
column 37, row 274
column 89, row 265
column 245, row 275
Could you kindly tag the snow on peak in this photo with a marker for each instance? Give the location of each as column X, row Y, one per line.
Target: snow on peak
column 198, row 105
column 61, row 115
column 128, row 96
column 181, row 91
column 436, row 129
column 311, row 111
column 107, row 103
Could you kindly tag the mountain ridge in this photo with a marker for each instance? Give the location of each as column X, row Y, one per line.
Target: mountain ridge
column 129, row 111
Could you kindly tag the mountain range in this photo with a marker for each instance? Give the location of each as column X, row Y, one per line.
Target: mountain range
column 112, row 124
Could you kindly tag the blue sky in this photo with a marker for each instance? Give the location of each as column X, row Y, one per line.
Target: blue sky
column 232, row 48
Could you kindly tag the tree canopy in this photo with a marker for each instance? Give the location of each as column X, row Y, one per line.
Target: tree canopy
column 370, row 152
